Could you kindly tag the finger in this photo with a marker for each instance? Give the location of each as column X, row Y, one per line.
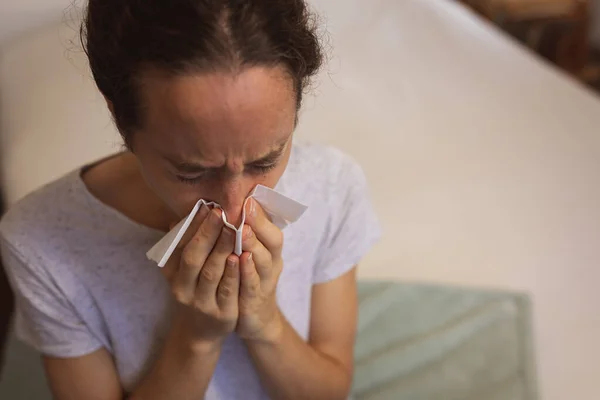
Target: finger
column 195, row 225
column 249, row 279
column 173, row 262
column 229, row 287
column 212, row 271
column 261, row 256
column 266, row 232
column 196, row 252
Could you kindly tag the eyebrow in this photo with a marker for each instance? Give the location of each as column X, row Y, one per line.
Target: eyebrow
column 190, row 167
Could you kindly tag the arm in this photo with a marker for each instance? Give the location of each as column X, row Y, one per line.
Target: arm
column 204, row 279
column 289, row 367
column 181, row 372
column 322, row 368
column 92, row 376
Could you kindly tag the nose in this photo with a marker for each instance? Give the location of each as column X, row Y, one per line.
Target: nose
column 233, row 194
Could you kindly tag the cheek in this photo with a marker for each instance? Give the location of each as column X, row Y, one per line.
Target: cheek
column 179, row 197
column 270, row 179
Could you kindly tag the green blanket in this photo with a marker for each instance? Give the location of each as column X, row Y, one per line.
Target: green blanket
column 419, row 342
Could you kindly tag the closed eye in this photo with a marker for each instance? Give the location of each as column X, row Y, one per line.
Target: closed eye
column 192, row 174
column 253, row 169
column 262, row 168
column 189, row 180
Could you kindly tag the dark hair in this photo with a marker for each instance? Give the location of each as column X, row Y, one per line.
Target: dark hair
column 122, row 37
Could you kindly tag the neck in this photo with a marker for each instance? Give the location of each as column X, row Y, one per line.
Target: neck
column 118, row 183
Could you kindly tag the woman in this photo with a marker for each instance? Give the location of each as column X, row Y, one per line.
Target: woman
column 206, row 96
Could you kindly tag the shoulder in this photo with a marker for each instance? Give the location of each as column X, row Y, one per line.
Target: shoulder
column 340, row 214
column 324, row 161
column 34, row 220
column 323, row 172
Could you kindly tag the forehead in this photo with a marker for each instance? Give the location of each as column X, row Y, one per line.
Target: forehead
column 215, row 112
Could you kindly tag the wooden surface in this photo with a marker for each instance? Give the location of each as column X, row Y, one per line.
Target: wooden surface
column 565, row 22
column 531, row 8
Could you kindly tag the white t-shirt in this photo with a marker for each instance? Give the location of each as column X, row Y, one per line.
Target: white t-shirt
column 82, row 280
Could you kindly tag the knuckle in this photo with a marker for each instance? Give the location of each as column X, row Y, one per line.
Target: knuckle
column 204, row 232
column 226, row 291
column 187, row 237
column 209, row 275
column 188, row 258
column 252, row 289
column 209, row 226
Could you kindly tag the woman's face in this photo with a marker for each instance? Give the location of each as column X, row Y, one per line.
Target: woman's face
column 214, row 136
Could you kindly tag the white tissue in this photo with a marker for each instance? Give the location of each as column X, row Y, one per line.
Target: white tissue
column 281, row 209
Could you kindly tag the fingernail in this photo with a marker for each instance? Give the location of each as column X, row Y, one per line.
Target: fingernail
column 250, row 257
column 230, row 262
column 252, row 207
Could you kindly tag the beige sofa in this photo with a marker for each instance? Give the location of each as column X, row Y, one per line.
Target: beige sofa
column 483, row 161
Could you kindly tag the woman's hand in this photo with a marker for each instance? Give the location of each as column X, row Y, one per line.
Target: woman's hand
column 260, row 267
column 205, row 280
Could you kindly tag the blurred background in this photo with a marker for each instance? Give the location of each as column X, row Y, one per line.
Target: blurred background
column 478, row 125
column 564, row 32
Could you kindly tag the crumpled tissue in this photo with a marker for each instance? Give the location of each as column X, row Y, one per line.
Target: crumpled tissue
column 281, row 209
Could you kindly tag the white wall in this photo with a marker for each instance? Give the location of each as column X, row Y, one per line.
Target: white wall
column 484, row 163
column 18, row 16
column 52, row 117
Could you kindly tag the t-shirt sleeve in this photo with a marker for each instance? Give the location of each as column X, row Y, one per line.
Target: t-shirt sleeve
column 45, row 318
column 353, row 227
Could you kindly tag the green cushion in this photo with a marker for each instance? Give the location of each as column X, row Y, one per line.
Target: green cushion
column 418, row 342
